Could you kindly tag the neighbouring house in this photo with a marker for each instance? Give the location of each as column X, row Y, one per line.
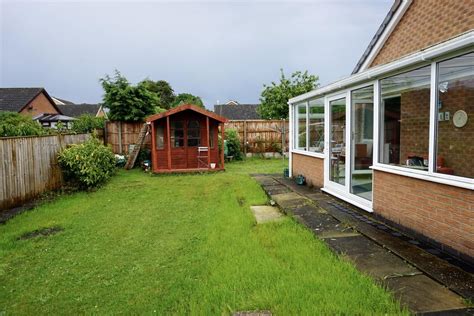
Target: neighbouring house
column 396, row 138
column 185, row 138
column 233, row 110
column 35, row 102
column 76, row 110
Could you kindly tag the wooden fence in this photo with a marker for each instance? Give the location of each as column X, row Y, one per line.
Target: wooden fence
column 120, row 135
column 259, row 136
column 29, row 167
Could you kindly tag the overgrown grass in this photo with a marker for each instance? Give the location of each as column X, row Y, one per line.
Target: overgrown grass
column 181, row 244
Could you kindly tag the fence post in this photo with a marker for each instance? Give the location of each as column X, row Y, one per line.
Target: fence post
column 105, row 134
column 245, row 138
column 120, row 137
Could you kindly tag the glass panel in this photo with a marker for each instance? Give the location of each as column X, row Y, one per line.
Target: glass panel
column 194, row 134
column 160, row 137
column 301, row 126
column 211, row 137
column 455, row 128
column 177, row 134
column 316, row 125
column 406, row 119
column 338, row 141
column 362, row 141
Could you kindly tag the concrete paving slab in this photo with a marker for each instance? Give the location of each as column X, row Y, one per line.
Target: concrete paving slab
column 422, row 294
column 265, row 213
column 325, row 226
column 275, row 189
column 266, row 180
column 289, row 200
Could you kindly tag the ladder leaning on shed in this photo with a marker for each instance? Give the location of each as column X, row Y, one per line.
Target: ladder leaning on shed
column 136, row 149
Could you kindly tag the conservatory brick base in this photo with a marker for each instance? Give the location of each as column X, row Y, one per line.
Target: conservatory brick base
column 311, row 168
column 436, row 212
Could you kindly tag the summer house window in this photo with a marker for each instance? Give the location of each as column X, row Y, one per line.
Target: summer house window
column 194, row 134
column 405, row 119
column 160, row 137
column 177, row 134
column 316, row 125
column 455, row 113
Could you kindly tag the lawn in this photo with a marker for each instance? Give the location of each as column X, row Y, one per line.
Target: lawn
column 175, row 244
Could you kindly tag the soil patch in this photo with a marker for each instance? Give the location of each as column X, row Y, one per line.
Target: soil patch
column 43, row 232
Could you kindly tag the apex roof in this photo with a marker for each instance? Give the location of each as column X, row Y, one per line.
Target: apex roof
column 185, row 107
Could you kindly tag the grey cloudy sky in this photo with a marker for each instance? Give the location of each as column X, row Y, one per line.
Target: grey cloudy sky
column 217, row 50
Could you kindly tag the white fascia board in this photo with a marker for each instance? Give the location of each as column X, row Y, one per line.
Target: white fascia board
column 427, row 54
column 386, row 34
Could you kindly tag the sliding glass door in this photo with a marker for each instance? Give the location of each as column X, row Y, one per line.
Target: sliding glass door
column 362, row 119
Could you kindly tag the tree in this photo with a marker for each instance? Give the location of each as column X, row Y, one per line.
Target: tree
column 274, row 97
column 164, row 91
column 127, row 102
column 15, row 124
column 87, row 123
column 187, row 98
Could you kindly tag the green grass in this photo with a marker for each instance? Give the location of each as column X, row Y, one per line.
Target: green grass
column 176, row 244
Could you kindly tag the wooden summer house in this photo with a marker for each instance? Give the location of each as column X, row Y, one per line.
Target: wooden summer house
column 185, row 139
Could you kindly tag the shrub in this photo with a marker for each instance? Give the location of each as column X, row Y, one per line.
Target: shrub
column 88, row 164
column 233, row 144
column 15, row 124
column 86, row 123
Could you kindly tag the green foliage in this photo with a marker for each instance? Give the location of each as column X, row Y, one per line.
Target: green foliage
column 15, row 124
column 187, row 98
column 274, row 97
column 86, row 123
column 127, row 102
column 163, row 90
column 87, row 165
column 233, row 144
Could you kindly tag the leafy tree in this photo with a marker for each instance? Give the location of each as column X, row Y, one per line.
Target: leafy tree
column 127, row 102
column 274, row 97
column 15, row 124
column 164, row 91
column 86, row 123
column 187, row 98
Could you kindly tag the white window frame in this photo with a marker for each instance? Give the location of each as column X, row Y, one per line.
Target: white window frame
column 432, row 56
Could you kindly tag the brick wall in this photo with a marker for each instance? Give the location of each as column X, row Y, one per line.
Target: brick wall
column 425, row 23
column 455, row 145
column 443, row 213
column 414, row 124
column 310, row 167
column 40, row 104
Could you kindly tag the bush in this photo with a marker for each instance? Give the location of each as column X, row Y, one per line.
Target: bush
column 86, row 123
column 233, row 144
column 15, row 124
column 87, row 165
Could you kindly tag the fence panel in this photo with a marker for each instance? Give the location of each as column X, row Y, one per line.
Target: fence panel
column 261, row 135
column 120, row 135
column 29, row 166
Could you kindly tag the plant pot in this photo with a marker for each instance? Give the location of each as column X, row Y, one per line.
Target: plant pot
column 213, row 166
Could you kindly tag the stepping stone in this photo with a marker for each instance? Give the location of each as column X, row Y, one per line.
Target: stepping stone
column 265, row 213
column 422, row 295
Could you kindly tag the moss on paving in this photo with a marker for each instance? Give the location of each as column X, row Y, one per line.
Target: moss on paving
column 180, row 244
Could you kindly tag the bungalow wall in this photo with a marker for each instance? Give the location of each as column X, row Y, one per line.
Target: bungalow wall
column 40, row 104
column 434, row 22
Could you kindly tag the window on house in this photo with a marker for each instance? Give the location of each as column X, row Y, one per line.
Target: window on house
column 455, row 113
column 177, row 134
column 405, row 119
column 160, row 142
column 300, row 141
column 194, row 134
column 316, row 125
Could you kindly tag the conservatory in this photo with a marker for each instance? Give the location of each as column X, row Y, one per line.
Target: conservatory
column 393, row 137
